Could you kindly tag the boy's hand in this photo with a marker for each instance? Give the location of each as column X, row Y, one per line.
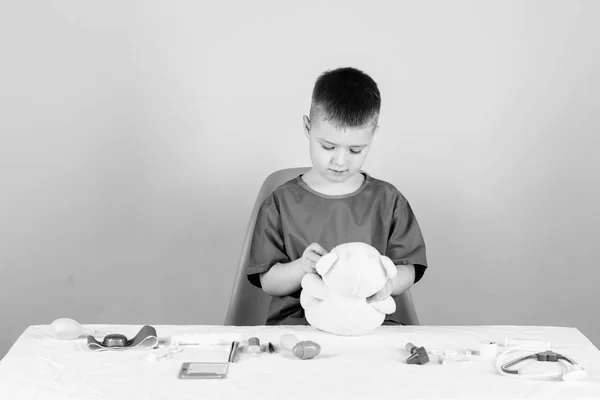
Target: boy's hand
column 384, row 292
column 311, row 255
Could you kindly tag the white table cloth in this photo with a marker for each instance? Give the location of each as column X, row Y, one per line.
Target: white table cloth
column 372, row 366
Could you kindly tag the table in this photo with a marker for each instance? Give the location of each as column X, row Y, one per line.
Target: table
column 365, row 367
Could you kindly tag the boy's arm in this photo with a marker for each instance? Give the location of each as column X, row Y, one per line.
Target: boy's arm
column 405, row 247
column 403, row 281
column 282, row 279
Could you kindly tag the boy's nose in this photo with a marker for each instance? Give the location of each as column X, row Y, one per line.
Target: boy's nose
column 340, row 157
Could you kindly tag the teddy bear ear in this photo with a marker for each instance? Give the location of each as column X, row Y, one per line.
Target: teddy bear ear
column 325, row 263
column 390, row 268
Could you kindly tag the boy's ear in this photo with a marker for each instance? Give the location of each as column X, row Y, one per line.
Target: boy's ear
column 390, row 268
column 375, row 129
column 306, row 123
column 325, row 263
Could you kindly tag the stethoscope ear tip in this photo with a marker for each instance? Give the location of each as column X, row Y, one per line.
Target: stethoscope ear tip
column 574, row 374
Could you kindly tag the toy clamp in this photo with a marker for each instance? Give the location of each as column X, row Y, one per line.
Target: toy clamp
column 418, row 354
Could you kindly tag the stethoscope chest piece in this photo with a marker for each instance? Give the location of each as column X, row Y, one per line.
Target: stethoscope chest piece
column 115, row 340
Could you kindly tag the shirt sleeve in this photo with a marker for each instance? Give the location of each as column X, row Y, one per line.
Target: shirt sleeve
column 406, row 245
column 267, row 247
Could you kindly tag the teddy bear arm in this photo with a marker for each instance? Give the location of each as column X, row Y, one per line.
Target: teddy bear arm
column 314, row 286
column 386, row 306
column 307, row 301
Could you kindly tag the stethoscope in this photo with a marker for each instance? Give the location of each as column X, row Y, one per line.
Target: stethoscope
column 572, row 372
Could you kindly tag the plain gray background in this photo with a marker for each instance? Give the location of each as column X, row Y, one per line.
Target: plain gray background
column 135, row 136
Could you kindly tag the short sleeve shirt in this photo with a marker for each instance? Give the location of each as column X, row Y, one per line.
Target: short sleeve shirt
column 294, row 215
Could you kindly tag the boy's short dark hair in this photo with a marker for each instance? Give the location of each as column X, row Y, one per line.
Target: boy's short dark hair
column 346, row 97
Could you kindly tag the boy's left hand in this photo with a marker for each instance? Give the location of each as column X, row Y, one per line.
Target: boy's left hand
column 384, row 292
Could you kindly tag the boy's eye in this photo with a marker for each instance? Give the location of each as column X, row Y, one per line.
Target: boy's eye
column 351, row 150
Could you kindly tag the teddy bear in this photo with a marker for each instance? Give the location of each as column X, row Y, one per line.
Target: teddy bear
column 334, row 298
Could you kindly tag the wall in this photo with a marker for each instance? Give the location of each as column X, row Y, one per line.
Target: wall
column 135, row 135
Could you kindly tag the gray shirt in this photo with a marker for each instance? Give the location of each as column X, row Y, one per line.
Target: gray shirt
column 293, row 216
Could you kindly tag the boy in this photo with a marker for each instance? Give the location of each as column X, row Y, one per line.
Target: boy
column 334, row 203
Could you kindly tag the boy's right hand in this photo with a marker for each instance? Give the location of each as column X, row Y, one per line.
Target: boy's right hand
column 311, row 255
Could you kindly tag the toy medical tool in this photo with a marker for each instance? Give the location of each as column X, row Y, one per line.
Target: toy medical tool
column 448, row 356
column 418, row 354
column 488, row 349
column 254, row 345
column 288, row 341
column 531, row 343
column 304, row 350
column 204, row 339
column 163, row 353
column 203, row 370
column 233, row 351
column 572, row 371
column 115, row 340
column 69, row 329
column 145, row 338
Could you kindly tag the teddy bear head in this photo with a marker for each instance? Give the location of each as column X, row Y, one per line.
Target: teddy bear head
column 355, row 270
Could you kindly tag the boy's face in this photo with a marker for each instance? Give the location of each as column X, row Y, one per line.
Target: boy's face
column 337, row 154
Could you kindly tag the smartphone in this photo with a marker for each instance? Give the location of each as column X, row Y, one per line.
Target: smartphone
column 203, row 370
